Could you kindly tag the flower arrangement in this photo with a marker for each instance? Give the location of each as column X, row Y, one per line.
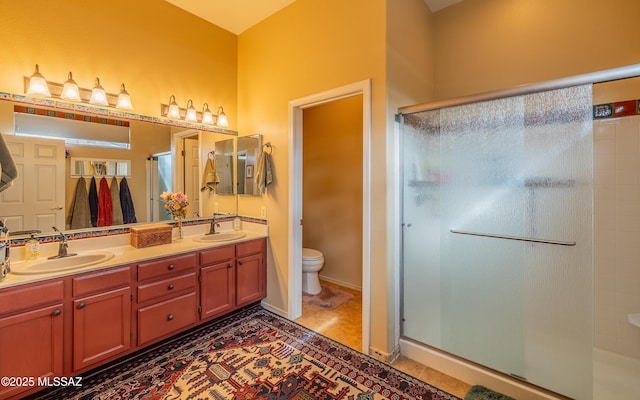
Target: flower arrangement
column 176, row 204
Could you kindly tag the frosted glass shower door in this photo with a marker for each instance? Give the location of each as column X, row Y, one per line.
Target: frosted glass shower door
column 497, row 240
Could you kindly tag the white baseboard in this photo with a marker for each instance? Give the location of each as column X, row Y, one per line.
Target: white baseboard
column 341, row 283
column 276, row 310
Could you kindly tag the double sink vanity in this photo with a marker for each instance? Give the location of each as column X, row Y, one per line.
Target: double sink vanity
column 64, row 316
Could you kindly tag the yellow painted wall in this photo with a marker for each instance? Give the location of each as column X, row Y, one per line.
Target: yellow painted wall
column 332, row 188
column 495, row 44
column 306, row 48
column 153, row 47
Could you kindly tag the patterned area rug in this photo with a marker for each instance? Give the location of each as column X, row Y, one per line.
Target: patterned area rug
column 253, row 354
column 329, row 298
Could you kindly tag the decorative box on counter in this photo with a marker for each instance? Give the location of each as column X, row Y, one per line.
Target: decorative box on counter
column 150, row 235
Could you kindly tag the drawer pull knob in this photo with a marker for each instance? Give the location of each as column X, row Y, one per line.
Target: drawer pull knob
column 170, row 287
column 56, row 313
column 240, row 262
column 229, row 265
column 81, row 305
column 170, row 317
column 171, row 267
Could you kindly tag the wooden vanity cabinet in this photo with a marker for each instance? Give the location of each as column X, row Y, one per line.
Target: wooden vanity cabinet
column 31, row 333
column 231, row 277
column 101, row 316
column 217, row 281
column 250, row 272
column 166, row 297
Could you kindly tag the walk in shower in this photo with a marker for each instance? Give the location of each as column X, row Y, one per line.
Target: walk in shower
column 497, row 233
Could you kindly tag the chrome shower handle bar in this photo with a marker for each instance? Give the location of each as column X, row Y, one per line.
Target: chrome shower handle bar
column 522, row 239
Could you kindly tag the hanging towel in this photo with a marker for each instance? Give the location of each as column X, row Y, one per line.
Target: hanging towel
column 126, row 202
column 209, row 176
column 80, row 217
column 105, row 210
column 8, row 170
column 115, row 202
column 264, row 174
column 93, row 202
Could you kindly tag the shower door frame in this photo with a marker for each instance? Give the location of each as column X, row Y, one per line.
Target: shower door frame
column 449, row 363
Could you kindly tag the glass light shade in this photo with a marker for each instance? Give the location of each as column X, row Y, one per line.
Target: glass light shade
column 98, row 95
column 174, row 110
column 124, row 100
column 222, row 118
column 207, row 117
column 192, row 116
column 70, row 90
column 38, row 85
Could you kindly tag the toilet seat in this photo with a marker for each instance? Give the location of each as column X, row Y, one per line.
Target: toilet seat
column 311, row 254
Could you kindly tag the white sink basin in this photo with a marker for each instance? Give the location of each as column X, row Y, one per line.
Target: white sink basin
column 220, row 237
column 45, row 265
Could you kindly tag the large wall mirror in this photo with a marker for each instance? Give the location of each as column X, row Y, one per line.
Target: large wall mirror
column 149, row 142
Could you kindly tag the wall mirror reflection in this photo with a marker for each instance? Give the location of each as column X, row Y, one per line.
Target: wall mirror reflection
column 224, row 162
column 156, row 158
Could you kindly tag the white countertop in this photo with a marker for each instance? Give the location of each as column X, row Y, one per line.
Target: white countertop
column 124, row 253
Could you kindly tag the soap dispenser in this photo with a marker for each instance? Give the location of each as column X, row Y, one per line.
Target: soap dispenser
column 32, row 249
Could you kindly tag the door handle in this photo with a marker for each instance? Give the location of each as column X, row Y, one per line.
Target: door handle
column 56, row 208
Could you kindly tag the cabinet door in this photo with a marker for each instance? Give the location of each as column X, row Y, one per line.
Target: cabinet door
column 101, row 326
column 249, row 279
column 216, row 289
column 31, row 346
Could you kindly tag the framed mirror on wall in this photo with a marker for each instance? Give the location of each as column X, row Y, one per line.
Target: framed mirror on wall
column 144, row 142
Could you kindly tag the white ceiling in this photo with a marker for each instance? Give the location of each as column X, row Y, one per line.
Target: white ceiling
column 237, row 16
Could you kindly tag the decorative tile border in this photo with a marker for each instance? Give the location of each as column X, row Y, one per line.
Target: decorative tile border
column 617, row 109
column 69, row 115
column 122, row 230
column 112, row 113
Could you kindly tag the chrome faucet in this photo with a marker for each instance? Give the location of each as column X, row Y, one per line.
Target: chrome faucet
column 212, row 226
column 63, row 247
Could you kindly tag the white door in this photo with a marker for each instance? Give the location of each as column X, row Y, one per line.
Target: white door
column 191, row 174
column 36, row 198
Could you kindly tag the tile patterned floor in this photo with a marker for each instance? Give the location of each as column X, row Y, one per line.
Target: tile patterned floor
column 344, row 324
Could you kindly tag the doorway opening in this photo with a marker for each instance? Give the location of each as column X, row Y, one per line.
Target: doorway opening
column 295, row 237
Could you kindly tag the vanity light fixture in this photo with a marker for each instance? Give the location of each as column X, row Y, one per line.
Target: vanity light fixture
column 174, row 110
column 192, row 116
column 207, row 117
column 38, row 85
column 221, row 117
column 98, row 95
column 124, row 100
column 70, row 91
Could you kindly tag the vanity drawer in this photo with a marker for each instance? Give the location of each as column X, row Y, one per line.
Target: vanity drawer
column 217, row 255
column 168, row 316
column 248, row 248
column 166, row 286
column 24, row 297
column 166, row 266
column 101, row 280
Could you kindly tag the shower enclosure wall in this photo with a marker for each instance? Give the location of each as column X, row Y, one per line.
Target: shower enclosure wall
column 498, row 235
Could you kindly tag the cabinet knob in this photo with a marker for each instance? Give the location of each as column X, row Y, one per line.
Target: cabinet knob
column 81, row 305
column 170, row 287
column 56, row 313
column 170, row 317
column 240, row 262
column 229, row 265
column 171, row 267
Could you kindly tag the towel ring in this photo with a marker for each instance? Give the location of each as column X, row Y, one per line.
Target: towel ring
column 269, row 146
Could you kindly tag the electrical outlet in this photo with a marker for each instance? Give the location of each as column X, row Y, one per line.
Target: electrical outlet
column 263, row 212
column 215, row 207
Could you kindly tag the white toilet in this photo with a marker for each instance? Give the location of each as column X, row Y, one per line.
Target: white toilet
column 312, row 262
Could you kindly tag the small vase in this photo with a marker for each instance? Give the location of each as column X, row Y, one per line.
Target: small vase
column 179, row 225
